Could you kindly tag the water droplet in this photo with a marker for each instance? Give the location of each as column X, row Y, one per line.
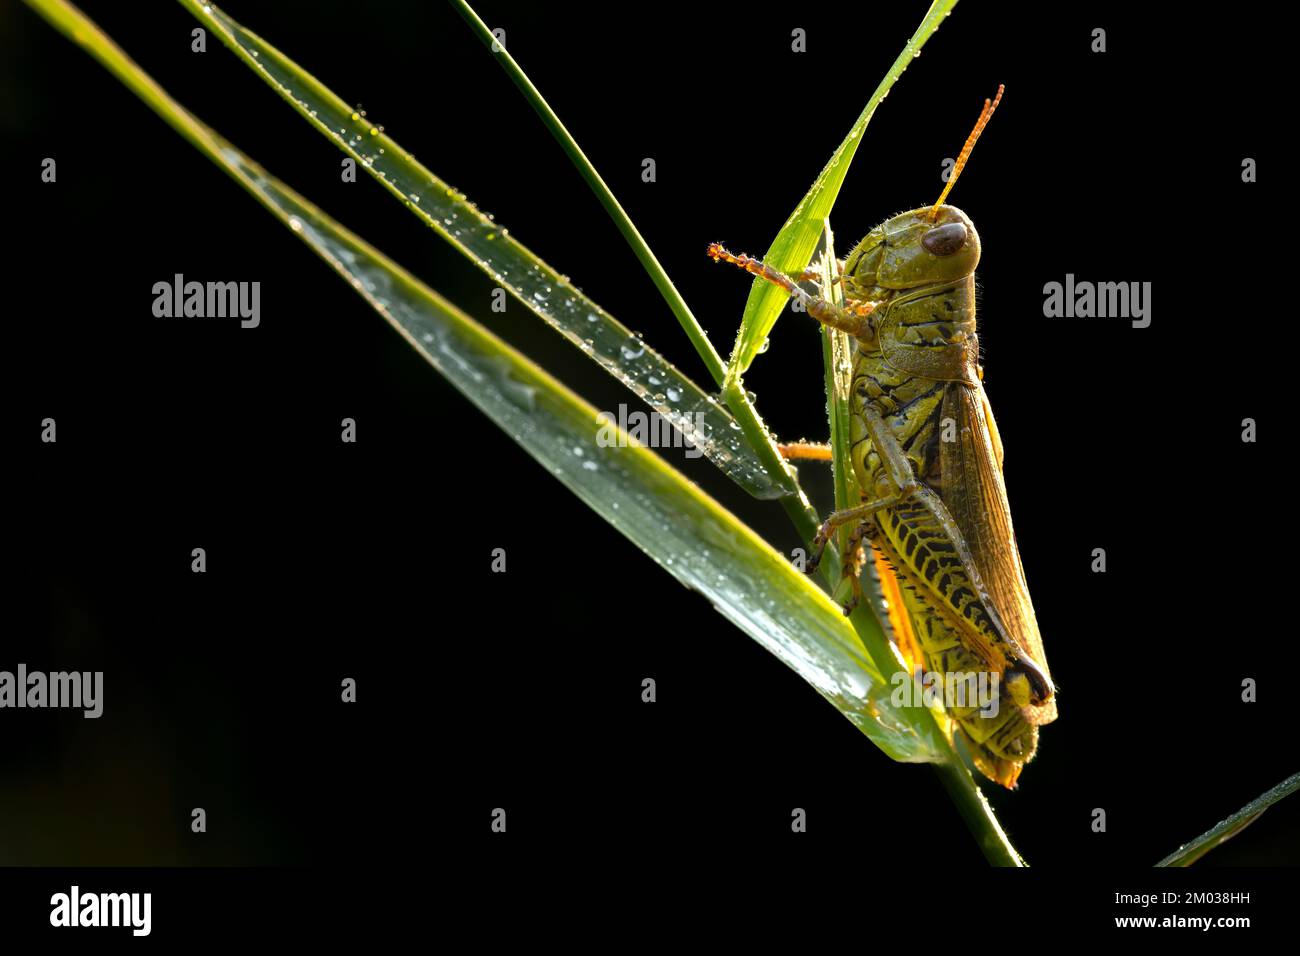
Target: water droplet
column 355, row 116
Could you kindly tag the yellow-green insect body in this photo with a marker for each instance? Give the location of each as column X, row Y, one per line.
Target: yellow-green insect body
column 927, row 460
column 916, row 378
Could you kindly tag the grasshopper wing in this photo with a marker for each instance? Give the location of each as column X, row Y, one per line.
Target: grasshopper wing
column 976, row 496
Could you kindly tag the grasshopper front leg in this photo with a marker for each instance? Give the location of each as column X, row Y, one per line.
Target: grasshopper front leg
column 855, row 319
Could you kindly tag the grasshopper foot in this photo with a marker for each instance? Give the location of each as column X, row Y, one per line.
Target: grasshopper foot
column 819, row 549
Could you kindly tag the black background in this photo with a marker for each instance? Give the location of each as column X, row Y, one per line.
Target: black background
column 522, row 690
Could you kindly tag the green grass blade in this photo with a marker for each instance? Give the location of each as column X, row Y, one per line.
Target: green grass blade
column 683, row 530
column 686, row 318
column 794, row 244
column 752, row 427
column 836, row 360
column 1189, row 853
column 542, row 289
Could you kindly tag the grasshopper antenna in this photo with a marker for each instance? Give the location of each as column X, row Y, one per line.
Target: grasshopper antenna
column 985, row 115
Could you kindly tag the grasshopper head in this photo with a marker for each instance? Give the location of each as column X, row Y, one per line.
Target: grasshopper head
column 932, row 246
column 920, row 247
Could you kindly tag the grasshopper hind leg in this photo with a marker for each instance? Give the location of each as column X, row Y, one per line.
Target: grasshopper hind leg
column 852, row 563
column 862, row 514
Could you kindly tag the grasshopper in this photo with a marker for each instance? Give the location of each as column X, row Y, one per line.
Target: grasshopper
column 927, row 459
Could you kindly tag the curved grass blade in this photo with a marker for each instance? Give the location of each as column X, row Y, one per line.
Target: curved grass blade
column 753, row 429
column 682, row 529
column 685, row 317
column 547, row 293
column 1189, row 853
column 794, row 244
column 837, row 364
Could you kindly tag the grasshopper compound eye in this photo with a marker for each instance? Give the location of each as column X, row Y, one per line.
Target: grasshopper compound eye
column 945, row 240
